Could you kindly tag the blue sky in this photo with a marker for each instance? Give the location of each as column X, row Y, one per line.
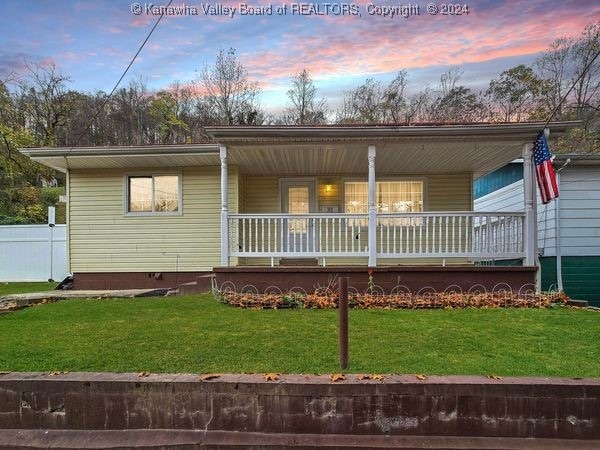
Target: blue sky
column 92, row 42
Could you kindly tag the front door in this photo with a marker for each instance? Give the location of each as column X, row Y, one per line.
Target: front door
column 298, row 196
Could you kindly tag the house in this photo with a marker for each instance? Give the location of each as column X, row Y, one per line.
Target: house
column 568, row 227
column 295, row 206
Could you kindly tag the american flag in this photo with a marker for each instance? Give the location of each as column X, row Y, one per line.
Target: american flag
column 544, row 169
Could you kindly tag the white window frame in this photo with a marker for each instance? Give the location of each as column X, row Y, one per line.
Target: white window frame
column 126, row 178
column 424, row 180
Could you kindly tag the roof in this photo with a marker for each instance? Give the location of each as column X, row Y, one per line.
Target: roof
column 324, row 150
column 150, row 156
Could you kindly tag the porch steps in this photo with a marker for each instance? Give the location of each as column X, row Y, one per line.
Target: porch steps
column 307, row 262
column 203, row 283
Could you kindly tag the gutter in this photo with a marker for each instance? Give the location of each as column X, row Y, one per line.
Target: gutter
column 223, row 133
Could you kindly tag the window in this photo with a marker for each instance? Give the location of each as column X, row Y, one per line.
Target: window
column 153, row 194
column 390, row 196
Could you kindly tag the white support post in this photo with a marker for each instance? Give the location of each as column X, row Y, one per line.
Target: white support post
column 559, row 279
column 530, row 225
column 224, row 209
column 372, row 210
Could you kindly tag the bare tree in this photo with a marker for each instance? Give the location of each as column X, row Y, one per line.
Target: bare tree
column 420, row 107
column 394, row 101
column 587, row 89
column 363, row 104
column 554, row 67
column 45, row 100
column 449, row 80
column 306, row 108
column 231, row 98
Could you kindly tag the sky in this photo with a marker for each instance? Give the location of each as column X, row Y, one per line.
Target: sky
column 346, row 43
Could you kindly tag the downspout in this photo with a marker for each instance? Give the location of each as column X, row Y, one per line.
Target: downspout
column 559, row 279
column 557, row 231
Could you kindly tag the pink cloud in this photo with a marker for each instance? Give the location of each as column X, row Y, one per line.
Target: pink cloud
column 381, row 46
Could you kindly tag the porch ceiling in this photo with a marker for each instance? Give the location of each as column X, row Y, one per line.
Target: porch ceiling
column 295, row 151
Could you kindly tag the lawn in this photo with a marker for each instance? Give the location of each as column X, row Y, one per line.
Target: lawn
column 23, row 288
column 196, row 334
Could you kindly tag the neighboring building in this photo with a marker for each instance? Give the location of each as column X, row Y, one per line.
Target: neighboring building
column 394, row 198
column 568, row 242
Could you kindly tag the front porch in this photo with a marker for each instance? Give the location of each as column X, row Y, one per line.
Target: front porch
column 315, row 194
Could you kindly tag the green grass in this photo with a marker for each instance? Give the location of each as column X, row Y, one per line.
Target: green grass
column 23, row 288
column 197, row 334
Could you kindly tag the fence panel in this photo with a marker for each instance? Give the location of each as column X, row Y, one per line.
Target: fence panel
column 33, row 252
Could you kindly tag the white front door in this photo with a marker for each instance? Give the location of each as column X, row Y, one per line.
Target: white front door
column 298, row 196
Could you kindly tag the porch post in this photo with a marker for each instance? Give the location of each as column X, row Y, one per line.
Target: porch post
column 372, row 210
column 529, row 232
column 224, row 209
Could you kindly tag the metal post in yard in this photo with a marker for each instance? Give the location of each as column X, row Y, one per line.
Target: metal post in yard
column 343, row 311
column 51, row 224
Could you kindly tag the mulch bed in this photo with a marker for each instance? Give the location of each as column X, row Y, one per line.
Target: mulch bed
column 327, row 299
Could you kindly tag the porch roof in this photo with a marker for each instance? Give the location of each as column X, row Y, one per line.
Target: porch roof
column 323, row 150
column 151, row 156
column 342, row 150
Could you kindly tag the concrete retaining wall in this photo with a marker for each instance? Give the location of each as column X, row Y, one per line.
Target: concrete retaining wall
column 297, row 409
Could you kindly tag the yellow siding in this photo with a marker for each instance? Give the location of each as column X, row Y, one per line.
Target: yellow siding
column 103, row 239
column 450, row 192
column 261, row 194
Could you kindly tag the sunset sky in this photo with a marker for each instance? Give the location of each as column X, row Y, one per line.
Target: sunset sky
column 94, row 41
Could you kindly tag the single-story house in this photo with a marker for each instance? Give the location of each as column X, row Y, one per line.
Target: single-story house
column 296, row 206
column 568, row 227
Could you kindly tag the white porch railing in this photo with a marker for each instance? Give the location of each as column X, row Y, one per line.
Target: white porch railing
column 297, row 235
column 474, row 235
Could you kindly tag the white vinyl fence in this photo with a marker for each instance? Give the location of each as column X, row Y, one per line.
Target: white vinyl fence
column 33, row 252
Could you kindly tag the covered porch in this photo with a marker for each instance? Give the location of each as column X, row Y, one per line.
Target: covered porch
column 374, row 196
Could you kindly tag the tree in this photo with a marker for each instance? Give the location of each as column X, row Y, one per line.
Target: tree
column 306, row 109
column 363, row 104
column 587, row 89
column 45, row 101
column 128, row 114
column 515, row 93
column 394, row 102
column 449, row 80
column 19, row 198
column 420, row 107
column 554, row 68
column 164, row 114
column 459, row 105
column 230, row 97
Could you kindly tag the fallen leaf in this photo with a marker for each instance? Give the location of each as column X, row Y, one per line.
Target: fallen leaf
column 143, row 374
column 365, row 376
column 209, row 376
column 378, row 377
column 421, row 377
column 337, row 377
column 56, row 372
column 271, row 376
column 494, row 377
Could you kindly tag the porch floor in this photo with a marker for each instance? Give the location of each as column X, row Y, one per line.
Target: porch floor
column 422, row 279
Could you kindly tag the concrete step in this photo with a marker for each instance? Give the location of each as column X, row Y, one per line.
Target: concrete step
column 309, row 262
column 202, row 284
column 188, row 439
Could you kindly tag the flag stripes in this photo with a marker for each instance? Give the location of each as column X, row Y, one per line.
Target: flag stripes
column 544, row 169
